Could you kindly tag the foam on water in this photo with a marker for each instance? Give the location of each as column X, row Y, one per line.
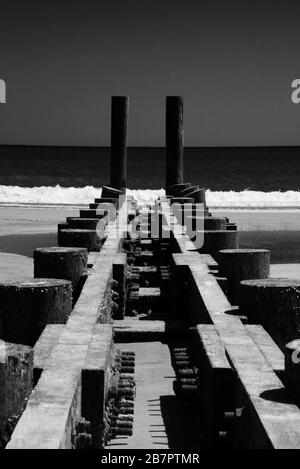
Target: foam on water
column 16, row 195
column 253, row 199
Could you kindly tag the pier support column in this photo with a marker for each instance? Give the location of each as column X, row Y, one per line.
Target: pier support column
column 275, row 304
column 26, row 307
column 174, row 140
column 243, row 264
column 118, row 158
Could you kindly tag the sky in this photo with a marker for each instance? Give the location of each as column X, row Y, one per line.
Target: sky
column 233, row 62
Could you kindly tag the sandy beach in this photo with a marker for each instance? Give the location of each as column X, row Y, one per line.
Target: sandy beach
column 22, row 229
column 262, row 219
column 21, row 220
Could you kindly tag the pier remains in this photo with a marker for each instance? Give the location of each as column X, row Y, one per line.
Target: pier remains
column 148, row 325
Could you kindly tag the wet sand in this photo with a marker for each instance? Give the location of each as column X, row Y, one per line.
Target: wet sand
column 263, row 219
column 23, row 229
column 286, row 270
column 21, row 220
column 15, row 267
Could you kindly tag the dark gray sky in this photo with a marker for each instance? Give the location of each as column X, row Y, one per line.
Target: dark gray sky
column 232, row 60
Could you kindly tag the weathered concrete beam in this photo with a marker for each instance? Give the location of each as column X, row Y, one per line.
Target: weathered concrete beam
column 269, row 420
column 43, row 348
column 53, row 410
column 268, row 348
column 92, row 258
column 95, row 371
column 216, row 376
column 119, row 274
column 95, row 379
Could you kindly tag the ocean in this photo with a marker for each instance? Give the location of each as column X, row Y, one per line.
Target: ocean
column 239, row 182
column 234, row 177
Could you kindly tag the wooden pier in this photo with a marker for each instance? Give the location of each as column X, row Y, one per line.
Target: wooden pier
column 145, row 329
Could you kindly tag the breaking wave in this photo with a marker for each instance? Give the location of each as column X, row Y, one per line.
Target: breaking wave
column 253, row 199
column 57, row 195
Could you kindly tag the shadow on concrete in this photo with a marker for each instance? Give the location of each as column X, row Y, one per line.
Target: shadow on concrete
column 277, row 395
column 183, row 428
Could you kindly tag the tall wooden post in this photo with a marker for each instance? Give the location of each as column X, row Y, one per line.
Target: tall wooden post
column 174, row 140
column 118, row 158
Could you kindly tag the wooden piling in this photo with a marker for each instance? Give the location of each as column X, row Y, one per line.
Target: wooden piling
column 119, row 123
column 231, row 226
column 215, row 241
column 82, row 223
column 174, row 141
column 16, row 381
column 274, row 303
column 62, row 262
column 243, row 264
column 26, row 307
column 88, row 239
